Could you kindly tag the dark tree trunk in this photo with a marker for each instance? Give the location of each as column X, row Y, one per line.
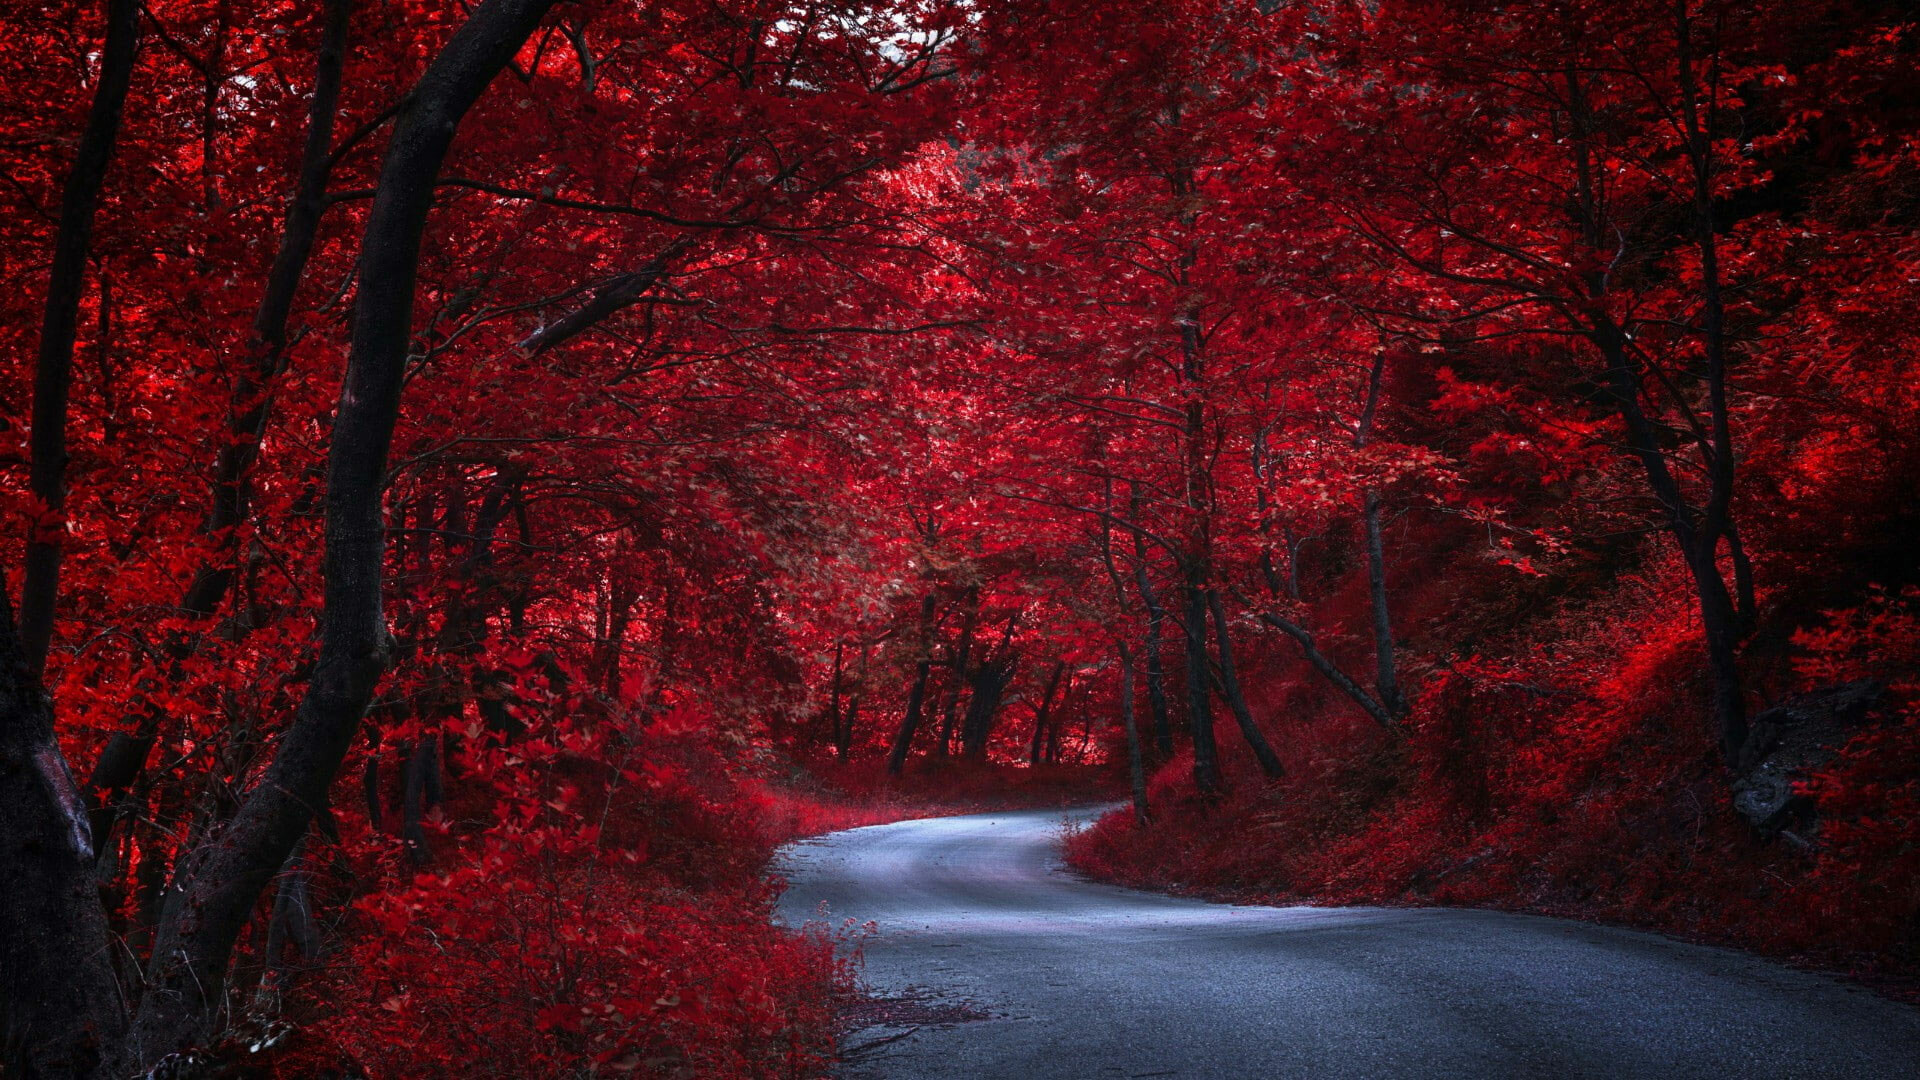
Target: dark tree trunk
column 1697, row 532
column 1236, row 701
column 1040, row 712
column 833, row 700
column 1326, row 667
column 1136, row 761
column 126, row 752
column 1050, row 753
column 988, row 687
column 1156, row 670
column 1386, row 679
column 843, row 730
column 909, row 724
column 252, row 390
column 421, row 792
column 1206, row 755
column 53, row 366
column 957, row 672
column 1698, row 536
column 290, row 925
column 916, row 697
column 218, row 884
column 61, row 1012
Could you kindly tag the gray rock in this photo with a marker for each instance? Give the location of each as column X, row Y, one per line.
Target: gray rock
column 1788, row 742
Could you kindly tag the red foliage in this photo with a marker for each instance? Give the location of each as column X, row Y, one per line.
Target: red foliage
column 1442, row 420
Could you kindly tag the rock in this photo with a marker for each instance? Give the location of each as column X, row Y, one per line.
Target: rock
column 1786, row 743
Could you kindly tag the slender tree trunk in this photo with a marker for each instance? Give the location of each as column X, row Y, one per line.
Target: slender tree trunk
column 59, row 325
column 1136, row 762
column 1386, row 680
column 421, row 791
column 1156, row 671
column 833, row 697
column 843, row 739
column 916, row 697
column 1744, row 604
column 1236, row 701
column 217, row 885
column 291, row 923
column 1050, row 754
column 956, row 679
column 126, row 752
column 1698, row 534
column 252, row 390
column 1720, row 614
column 1327, row 668
column 1206, row 755
column 1040, row 713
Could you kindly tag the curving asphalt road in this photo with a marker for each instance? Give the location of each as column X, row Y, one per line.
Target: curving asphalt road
column 1081, row 981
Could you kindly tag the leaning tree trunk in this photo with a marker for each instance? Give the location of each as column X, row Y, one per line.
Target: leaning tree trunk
column 1236, row 701
column 252, row 388
column 218, row 884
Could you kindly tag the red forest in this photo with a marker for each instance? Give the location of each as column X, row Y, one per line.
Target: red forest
column 478, row 477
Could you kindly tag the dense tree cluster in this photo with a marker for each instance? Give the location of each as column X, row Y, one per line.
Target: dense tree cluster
column 458, row 456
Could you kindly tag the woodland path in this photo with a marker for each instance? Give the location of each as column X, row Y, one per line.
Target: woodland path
column 1087, row 981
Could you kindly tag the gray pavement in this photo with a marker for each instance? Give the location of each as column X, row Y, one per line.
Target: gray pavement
column 1082, row 980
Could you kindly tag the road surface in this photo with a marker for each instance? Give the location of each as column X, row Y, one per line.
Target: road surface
column 1068, row 979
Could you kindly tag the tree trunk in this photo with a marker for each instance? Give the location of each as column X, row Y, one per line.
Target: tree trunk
column 1697, row 533
column 61, row 1011
column 252, row 389
column 989, row 686
column 126, row 752
column 1136, row 762
column 1236, row 701
column 217, row 885
column 420, row 793
column 1040, row 713
column 62, row 1014
column 833, row 699
column 956, row 678
column 916, row 697
column 1206, row 755
column 843, row 737
column 1156, row 671
column 60, row 320
column 1385, row 679
column 916, row 700
column 1326, row 667
column 1718, row 615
